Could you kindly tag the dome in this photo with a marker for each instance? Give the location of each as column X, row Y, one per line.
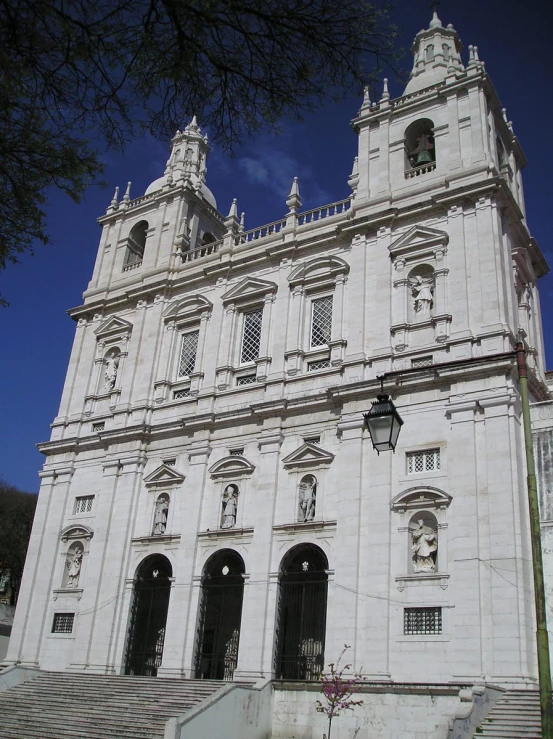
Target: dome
column 155, row 185
column 205, row 192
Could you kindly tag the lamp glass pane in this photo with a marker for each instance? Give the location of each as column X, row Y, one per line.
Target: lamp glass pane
column 380, row 430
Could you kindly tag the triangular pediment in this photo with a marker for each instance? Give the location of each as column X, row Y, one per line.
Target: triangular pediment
column 163, row 476
column 420, row 497
column 417, row 239
column 189, row 308
column 248, row 289
column 232, row 466
column 113, row 326
column 76, row 532
column 307, row 456
column 318, row 270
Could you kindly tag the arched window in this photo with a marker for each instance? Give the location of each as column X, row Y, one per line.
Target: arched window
column 423, row 535
column 220, row 616
column 419, row 145
column 208, row 238
column 422, row 282
column 501, row 154
column 301, row 619
column 429, row 53
column 135, row 245
column 150, row 602
column 446, row 49
column 161, row 513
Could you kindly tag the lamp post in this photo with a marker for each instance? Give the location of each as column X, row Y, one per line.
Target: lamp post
column 384, row 422
column 542, row 638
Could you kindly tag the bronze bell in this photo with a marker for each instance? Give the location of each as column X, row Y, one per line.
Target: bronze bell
column 423, row 157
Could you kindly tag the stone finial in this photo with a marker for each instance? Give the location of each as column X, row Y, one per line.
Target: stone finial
column 193, row 125
column 385, row 93
column 435, row 22
column 506, row 119
column 293, row 201
column 242, row 222
column 231, row 221
column 114, row 201
column 233, row 212
column 353, row 179
column 127, row 195
column 366, row 97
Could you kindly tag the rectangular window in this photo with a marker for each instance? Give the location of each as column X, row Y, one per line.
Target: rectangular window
column 183, row 393
column 83, row 503
column 422, row 362
column 98, row 426
column 246, row 380
column 427, row 461
column 422, row 621
column 321, row 321
column 188, row 351
column 321, row 364
column 251, row 336
column 236, row 452
column 169, row 462
column 63, row 623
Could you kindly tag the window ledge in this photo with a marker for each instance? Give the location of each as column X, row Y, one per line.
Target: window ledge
column 162, row 538
column 438, row 578
column 225, row 533
column 305, row 526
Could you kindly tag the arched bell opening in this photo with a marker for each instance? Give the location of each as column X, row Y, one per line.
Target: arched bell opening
column 220, row 616
column 150, row 602
column 301, row 617
column 420, row 149
column 136, row 244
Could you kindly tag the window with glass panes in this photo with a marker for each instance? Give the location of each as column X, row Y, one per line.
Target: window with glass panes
column 251, row 336
column 189, row 347
column 83, row 503
column 63, row 623
column 321, row 321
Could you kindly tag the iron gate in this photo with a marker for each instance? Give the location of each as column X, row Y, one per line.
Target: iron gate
column 149, row 607
column 220, row 617
column 301, row 622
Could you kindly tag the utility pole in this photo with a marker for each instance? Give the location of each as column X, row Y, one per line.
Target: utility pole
column 542, row 639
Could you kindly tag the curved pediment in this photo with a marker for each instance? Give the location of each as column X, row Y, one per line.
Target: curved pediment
column 76, row 532
column 307, row 456
column 317, row 270
column 421, row 497
column 113, row 327
column 163, row 476
column 232, row 466
column 189, row 308
column 417, row 241
column 251, row 288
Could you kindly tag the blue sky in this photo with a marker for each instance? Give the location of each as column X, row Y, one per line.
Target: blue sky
column 35, row 332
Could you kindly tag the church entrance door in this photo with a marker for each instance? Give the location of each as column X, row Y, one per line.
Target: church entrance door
column 152, row 587
column 220, row 616
column 301, row 623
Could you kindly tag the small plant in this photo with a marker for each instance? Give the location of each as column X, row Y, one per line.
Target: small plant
column 337, row 690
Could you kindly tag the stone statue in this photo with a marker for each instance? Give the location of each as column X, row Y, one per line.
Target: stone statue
column 423, row 294
column 307, row 499
column 424, row 548
column 73, row 565
column 230, row 504
column 160, row 515
column 110, row 373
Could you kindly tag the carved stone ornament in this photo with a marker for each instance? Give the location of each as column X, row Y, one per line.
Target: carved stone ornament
column 76, row 532
column 113, row 328
column 232, row 466
column 307, row 456
column 163, row 476
column 424, row 547
column 420, row 497
column 249, row 289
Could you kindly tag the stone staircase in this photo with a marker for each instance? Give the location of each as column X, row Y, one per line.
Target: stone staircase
column 516, row 715
column 62, row 705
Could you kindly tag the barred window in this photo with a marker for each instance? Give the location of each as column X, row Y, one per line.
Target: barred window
column 427, row 361
column 321, row 321
column 236, row 452
column 251, row 336
column 189, row 348
column 100, row 426
column 246, row 380
column 83, row 503
column 321, row 364
column 422, row 621
column 182, row 393
column 424, row 461
column 63, row 623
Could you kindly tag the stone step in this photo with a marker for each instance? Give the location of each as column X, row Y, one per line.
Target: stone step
column 516, row 715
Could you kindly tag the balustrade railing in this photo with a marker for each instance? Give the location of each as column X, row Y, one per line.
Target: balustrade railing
column 131, row 265
column 259, row 233
column 202, row 251
column 317, row 214
column 421, row 169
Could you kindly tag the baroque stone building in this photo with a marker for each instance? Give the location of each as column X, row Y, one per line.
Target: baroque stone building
column 211, row 504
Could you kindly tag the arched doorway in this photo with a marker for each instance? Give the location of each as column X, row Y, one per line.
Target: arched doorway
column 220, row 616
column 301, row 619
column 152, row 587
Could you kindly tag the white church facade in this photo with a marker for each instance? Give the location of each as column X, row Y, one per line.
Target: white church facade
column 211, row 504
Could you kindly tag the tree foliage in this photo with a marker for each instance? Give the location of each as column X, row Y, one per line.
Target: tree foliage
column 17, row 510
column 77, row 75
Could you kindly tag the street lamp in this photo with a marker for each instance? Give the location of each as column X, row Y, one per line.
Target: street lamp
column 384, row 423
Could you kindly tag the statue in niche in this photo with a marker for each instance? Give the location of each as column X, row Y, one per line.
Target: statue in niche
column 160, row 515
column 307, row 499
column 230, row 505
column 73, row 564
column 424, row 548
column 423, row 293
column 110, row 373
